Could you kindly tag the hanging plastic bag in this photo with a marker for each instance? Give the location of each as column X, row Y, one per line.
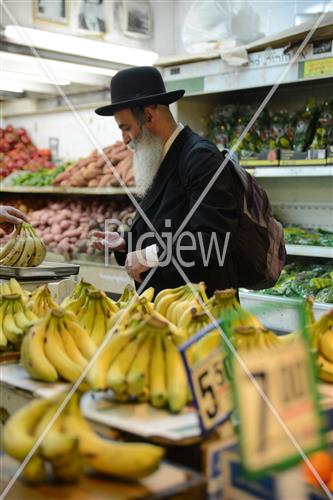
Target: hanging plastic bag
column 219, row 24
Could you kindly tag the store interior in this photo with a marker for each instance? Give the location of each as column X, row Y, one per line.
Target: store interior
column 111, row 388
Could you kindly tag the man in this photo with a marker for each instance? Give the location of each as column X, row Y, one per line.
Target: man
column 172, row 167
column 11, row 215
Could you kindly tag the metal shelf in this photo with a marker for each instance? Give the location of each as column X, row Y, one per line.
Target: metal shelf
column 310, row 251
column 96, row 191
column 292, row 171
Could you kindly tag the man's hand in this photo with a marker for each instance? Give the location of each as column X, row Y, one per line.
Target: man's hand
column 136, row 264
column 12, row 215
column 111, row 240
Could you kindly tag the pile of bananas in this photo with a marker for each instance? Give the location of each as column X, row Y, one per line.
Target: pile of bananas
column 13, row 286
column 15, row 320
column 70, row 444
column 93, row 309
column 41, row 301
column 173, row 302
column 79, row 292
column 143, row 363
column 321, row 335
column 24, row 248
column 56, row 347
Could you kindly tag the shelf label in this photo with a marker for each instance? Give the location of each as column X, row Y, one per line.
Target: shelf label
column 316, row 68
column 209, row 382
column 285, row 375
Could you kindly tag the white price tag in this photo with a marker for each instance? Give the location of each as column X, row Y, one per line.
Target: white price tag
column 285, row 375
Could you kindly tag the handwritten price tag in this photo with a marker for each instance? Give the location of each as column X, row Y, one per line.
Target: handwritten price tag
column 285, row 376
column 210, row 386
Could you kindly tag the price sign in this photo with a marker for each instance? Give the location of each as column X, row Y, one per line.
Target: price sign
column 209, row 383
column 288, row 404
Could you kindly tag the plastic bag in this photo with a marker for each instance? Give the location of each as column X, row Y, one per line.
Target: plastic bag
column 219, row 24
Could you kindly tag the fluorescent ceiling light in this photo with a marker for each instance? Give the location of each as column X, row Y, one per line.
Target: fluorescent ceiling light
column 32, row 78
column 80, row 46
column 9, row 87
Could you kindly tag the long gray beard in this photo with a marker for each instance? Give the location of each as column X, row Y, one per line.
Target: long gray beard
column 148, row 150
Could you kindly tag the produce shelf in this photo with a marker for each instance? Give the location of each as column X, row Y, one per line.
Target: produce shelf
column 292, row 171
column 310, row 251
column 280, row 312
column 68, row 190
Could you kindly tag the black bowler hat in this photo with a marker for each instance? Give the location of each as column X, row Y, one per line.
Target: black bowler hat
column 138, row 87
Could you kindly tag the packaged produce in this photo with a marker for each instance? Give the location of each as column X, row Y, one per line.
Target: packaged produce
column 323, row 135
column 299, row 279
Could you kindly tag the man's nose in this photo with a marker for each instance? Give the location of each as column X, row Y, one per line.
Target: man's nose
column 126, row 138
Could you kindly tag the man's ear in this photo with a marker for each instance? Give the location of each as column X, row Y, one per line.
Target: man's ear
column 149, row 116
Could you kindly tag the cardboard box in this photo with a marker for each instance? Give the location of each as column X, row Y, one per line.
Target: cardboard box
column 310, row 157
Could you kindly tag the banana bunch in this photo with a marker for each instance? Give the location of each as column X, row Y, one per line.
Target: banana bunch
column 144, row 364
column 71, row 443
column 15, row 320
column 79, row 292
column 173, row 302
column 56, row 347
column 13, row 286
column 321, row 338
column 24, row 249
column 41, row 301
column 128, row 294
column 93, row 309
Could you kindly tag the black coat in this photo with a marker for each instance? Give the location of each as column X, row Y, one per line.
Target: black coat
column 184, row 173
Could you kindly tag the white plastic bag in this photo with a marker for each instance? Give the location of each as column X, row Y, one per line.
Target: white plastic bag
column 219, row 24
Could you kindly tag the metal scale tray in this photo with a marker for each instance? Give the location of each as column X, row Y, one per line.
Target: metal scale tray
column 46, row 271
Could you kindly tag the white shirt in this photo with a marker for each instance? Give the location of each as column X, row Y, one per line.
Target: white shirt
column 151, row 251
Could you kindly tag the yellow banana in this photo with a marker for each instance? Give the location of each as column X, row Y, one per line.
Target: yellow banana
column 18, row 438
column 87, row 316
column 27, row 250
column 40, row 249
column 56, row 354
column 123, row 460
column 116, row 376
column 3, row 338
column 20, row 317
column 138, row 375
column 157, row 374
column 15, row 287
column 5, row 289
column 175, row 375
column 325, row 369
column 326, row 345
column 12, row 332
column 98, row 330
column 33, row 354
column 35, row 470
column 82, row 339
column 70, row 346
column 148, row 294
column 97, row 374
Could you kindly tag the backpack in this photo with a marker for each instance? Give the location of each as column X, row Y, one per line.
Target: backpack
column 258, row 247
column 259, row 263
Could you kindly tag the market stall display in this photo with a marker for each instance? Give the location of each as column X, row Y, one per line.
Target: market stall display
column 301, row 278
column 17, row 152
column 308, row 236
column 43, row 176
column 112, row 168
column 299, row 131
column 66, row 226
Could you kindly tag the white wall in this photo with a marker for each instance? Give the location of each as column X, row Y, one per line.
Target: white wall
column 74, row 142
column 163, row 11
